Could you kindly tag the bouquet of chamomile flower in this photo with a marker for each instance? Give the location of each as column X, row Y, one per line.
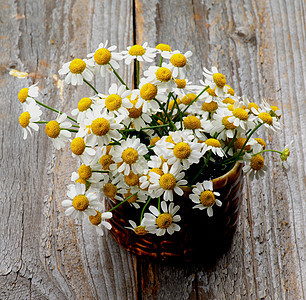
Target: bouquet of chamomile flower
column 140, row 146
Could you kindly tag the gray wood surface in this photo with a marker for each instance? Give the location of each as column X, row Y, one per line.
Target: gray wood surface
column 258, row 45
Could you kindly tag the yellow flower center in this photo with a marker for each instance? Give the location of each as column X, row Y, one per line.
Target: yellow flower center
column 106, row 161
column 80, row 202
column 77, row 66
column 266, row 118
column 84, row 104
column 100, row 126
column 148, row 91
column 239, row 144
column 188, row 98
column 240, row 113
column 23, row 95
column 207, row 198
column 164, row 220
column 230, row 107
column 213, row 143
column 131, row 179
column 109, row 190
column 209, row 107
column 81, row 180
column 227, row 124
column 178, row 60
column 182, row 150
column 211, row 92
column 257, row 162
column 129, row 156
column 219, row 80
column 252, row 104
column 163, row 74
column 172, row 103
column 163, row 47
column 24, row 119
column 102, row 56
column 180, row 83
column 140, row 230
column 133, row 199
column 96, row 220
column 134, row 112
column 192, row 122
column 77, row 146
column 52, row 129
column 167, row 181
column 230, row 90
column 113, row 102
column 137, row 50
column 154, row 140
column 261, row 142
column 285, row 154
column 228, row 101
column 85, row 172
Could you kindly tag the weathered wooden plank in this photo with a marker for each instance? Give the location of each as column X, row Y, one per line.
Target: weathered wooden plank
column 42, row 253
column 260, row 47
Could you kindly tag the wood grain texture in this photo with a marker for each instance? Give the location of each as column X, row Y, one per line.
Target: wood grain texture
column 258, row 45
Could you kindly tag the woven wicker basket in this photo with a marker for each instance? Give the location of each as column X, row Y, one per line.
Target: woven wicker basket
column 201, row 238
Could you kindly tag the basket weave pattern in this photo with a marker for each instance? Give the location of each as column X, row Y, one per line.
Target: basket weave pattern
column 200, row 236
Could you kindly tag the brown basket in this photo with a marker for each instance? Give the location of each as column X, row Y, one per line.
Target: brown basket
column 201, row 238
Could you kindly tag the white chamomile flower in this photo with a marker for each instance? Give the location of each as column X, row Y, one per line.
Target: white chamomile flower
column 138, row 229
column 273, row 110
column 266, row 119
column 183, row 87
column 159, row 223
column 89, row 173
column 179, row 63
column 159, row 76
column 214, row 145
column 111, row 190
column 183, row 151
column 168, row 183
column 255, row 163
column 116, row 102
column 100, row 128
column 137, row 116
column 26, row 95
column 84, row 105
column 204, row 196
column 83, row 202
column 141, row 53
column 105, row 58
column 163, row 48
column 79, row 149
column 216, row 80
column 77, row 70
column 130, row 156
column 221, row 125
column 28, row 118
column 57, row 130
column 241, row 118
column 99, row 220
column 285, row 154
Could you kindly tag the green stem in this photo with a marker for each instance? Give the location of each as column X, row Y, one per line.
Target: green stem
column 99, row 171
column 268, row 150
column 144, row 208
column 113, row 208
column 204, row 166
column 117, row 75
column 232, row 142
column 68, row 129
column 160, row 61
column 166, row 114
column 55, row 110
column 195, row 99
column 159, row 205
column 138, row 73
column 90, row 86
